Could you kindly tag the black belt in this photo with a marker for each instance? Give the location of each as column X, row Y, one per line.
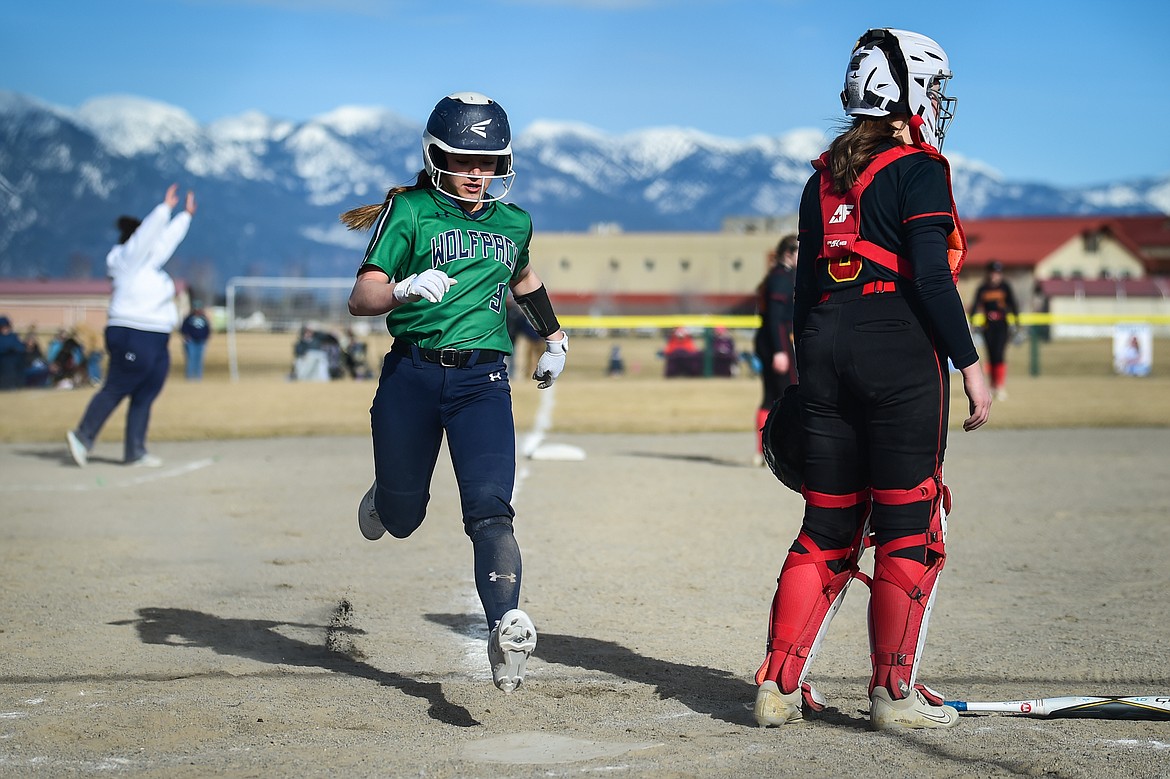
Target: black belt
column 448, row 358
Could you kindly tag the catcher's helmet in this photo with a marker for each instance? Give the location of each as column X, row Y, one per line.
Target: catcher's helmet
column 900, row 72
column 468, row 123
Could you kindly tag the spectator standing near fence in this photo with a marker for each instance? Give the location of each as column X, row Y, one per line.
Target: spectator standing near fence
column 877, row 316
column 196, row 330
column 444, row 254
column 142, row 315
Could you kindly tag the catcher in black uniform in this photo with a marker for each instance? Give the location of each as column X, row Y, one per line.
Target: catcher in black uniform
column 877, row 316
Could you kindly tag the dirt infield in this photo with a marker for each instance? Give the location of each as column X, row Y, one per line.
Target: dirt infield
column 223, row 616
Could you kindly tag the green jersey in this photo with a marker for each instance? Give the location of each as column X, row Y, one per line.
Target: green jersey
column 483, row 252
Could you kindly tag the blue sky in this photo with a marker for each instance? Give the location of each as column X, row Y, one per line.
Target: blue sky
column 1065, row 93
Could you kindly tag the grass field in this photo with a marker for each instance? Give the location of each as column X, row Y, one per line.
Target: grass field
column 1075, row 388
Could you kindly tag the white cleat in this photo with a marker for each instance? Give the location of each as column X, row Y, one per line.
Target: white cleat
column 368, row 520
column 510, row 644
column 910, row 713
column 77, row 449
column 775, row 708
column 146, row 461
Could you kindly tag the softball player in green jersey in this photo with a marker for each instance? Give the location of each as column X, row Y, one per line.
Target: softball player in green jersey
column 444, row 254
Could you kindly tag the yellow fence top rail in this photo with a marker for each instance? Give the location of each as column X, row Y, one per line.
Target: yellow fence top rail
column 752, row 322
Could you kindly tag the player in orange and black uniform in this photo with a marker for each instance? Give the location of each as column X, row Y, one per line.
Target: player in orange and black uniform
column 877, row 316
column 997, row 302
column 773, row 344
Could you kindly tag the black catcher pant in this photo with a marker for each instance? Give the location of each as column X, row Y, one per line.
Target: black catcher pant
column 874, row 396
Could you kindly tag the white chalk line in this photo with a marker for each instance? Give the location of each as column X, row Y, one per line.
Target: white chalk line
column 100, row 482
column 1157, row 746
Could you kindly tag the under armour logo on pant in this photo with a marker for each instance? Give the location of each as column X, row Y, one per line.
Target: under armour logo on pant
column 495, row 376
column 495, row 577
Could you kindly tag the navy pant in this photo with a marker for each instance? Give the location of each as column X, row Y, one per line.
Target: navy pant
column 139, row 362
column 416, row 402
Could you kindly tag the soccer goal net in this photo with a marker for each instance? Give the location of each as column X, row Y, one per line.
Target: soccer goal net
column 272, row 321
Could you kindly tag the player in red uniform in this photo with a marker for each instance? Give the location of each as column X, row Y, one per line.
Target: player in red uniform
column 877, row 316
column 995, row 299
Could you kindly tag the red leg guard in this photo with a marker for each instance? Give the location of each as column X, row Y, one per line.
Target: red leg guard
column 808, row 594
column 902, row 594
column 998, row 375
column 761, row 419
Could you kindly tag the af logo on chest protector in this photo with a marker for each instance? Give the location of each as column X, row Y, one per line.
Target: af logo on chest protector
column 841, row 214
column 844, row 250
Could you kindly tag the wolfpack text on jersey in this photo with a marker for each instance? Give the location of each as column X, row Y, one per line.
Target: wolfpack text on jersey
column 472, row 244
column 483, row 252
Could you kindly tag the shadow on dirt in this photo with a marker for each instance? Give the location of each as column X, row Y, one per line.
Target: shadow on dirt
column 261, row 640
column 691, row 458
column 702, row 689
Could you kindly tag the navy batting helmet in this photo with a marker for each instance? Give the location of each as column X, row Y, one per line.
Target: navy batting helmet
column 468, row 123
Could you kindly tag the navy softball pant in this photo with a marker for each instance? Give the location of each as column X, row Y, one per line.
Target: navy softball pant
column 139, row 362
column 874, row 398
column 416, row 402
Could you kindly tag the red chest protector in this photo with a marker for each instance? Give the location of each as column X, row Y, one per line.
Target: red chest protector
column 844, row 248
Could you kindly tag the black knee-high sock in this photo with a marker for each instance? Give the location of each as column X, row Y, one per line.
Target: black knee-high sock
column 497, row 570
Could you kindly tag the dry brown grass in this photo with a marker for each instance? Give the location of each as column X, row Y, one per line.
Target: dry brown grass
column 1075, row 388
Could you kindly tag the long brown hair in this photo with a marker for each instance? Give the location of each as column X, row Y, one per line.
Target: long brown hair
column 851, row 151
column 364, row 217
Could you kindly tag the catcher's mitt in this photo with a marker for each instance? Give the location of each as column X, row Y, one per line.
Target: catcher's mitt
column 783, row 440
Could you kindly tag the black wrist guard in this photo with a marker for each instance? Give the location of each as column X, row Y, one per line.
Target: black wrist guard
column 538, row 309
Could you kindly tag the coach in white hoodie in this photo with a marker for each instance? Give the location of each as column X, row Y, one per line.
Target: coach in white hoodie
column 141, row 317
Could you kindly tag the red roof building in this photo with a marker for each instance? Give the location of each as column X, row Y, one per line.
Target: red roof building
column 1068, row 247
column 53, row 304
column 1074, row 266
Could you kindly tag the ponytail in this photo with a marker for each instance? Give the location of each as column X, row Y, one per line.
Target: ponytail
column 364, row 217
column 851, row 152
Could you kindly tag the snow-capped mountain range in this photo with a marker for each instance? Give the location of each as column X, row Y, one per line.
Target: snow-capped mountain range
column 270, row 191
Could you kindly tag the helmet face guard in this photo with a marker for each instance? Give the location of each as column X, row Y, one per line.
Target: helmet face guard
column 471, row 124
column 944, row 108
column 900, row 72
column 436, row 166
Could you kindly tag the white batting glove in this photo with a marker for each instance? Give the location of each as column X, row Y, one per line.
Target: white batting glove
column 552, row 362
column 430, row 285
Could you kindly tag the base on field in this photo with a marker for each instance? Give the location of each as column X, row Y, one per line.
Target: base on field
column 557, row 452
